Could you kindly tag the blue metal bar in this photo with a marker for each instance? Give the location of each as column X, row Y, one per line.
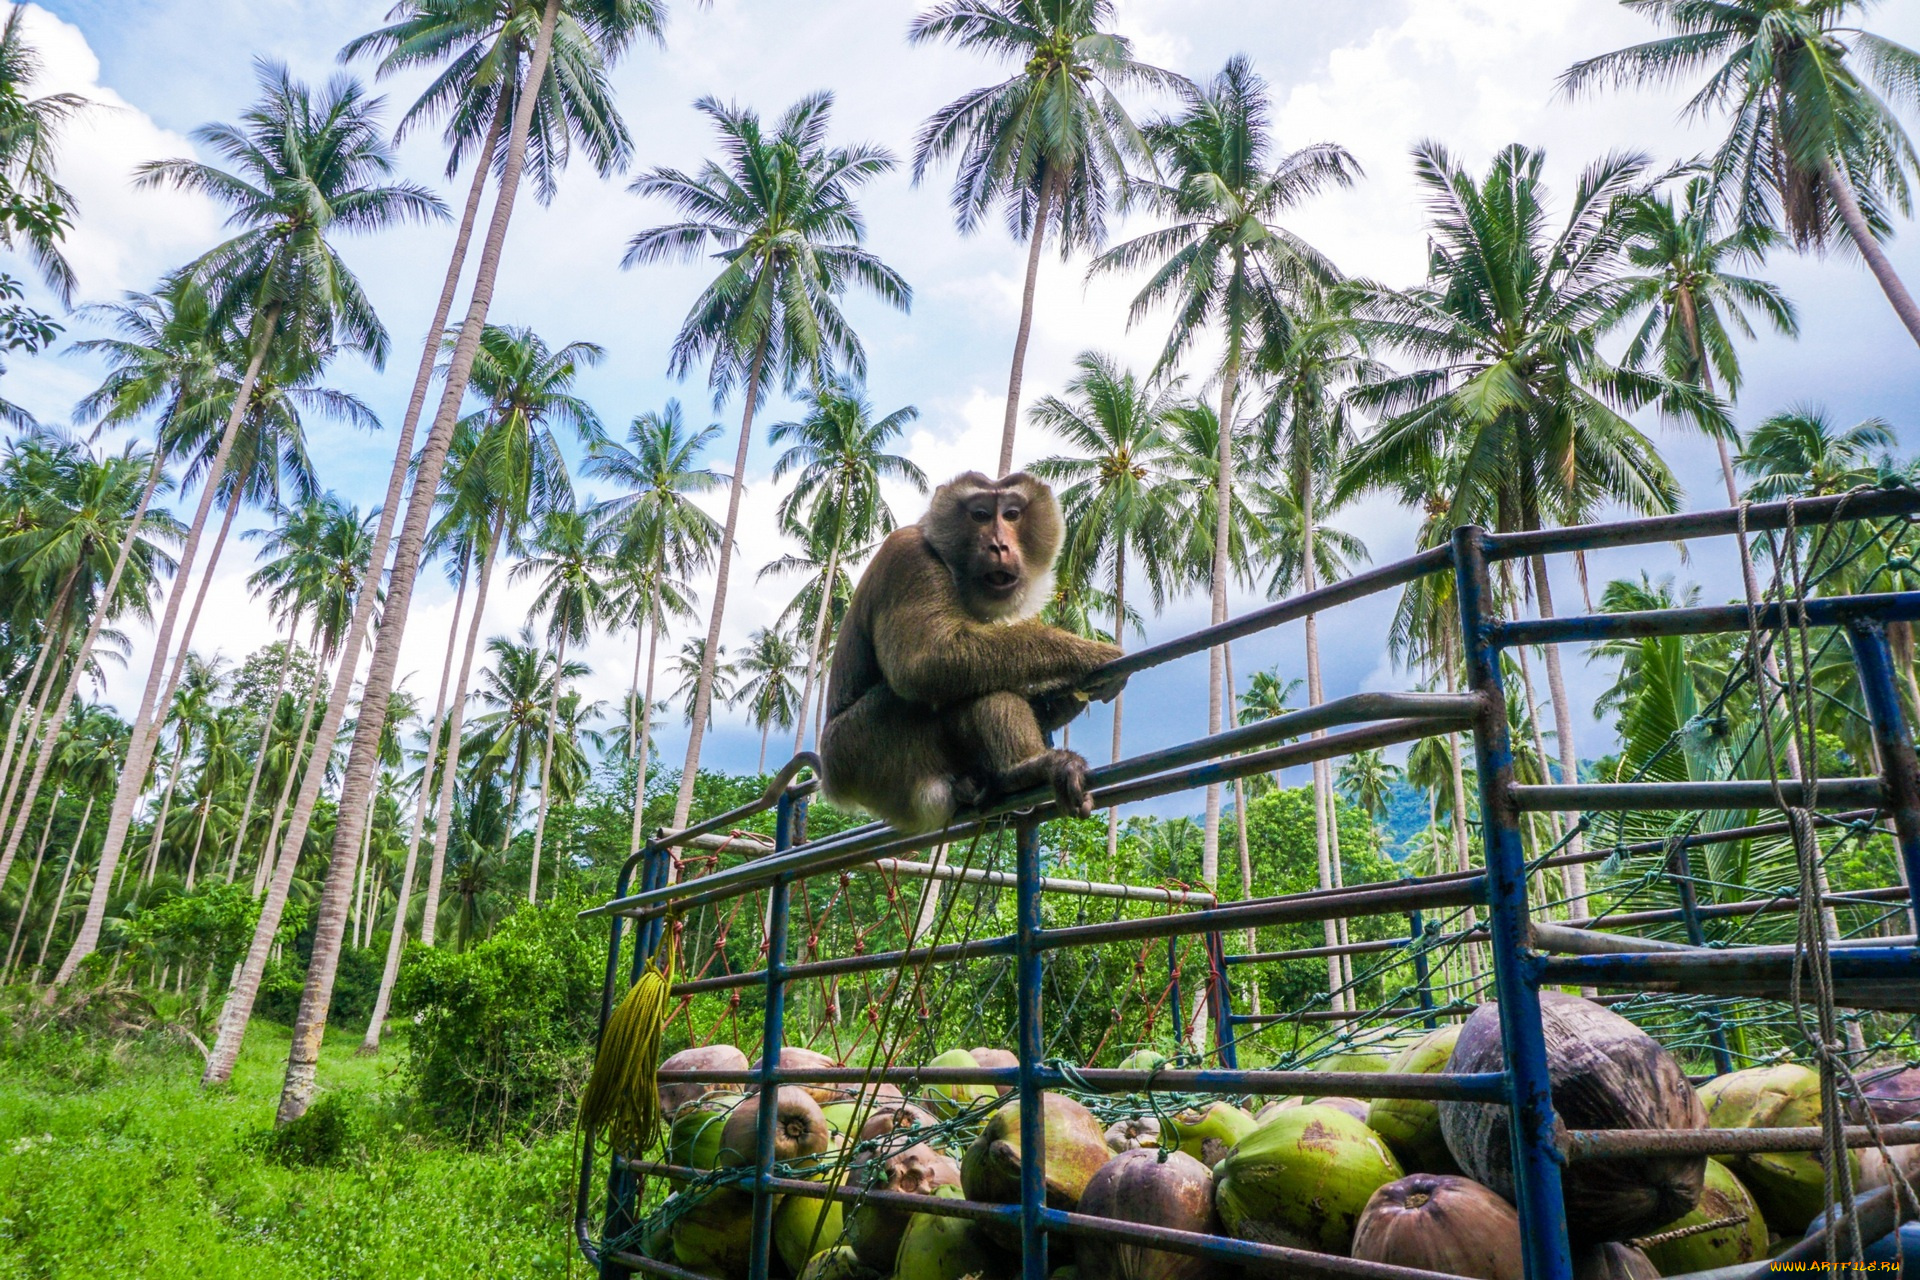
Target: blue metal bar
column 1681, row 874
column 772, row 1037
column 1734, row 965
column 1893, row 740
column 1545, row 1252
column 620, row 1183
column 1489, row 1086
column 1029, row 967
column 1832, row 793
column 1825, row 611
column 1804, row 513
column 1422, row 980
column 1221, row 995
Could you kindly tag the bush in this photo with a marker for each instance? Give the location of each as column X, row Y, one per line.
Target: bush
column 326, row 1135
column 502, row 1040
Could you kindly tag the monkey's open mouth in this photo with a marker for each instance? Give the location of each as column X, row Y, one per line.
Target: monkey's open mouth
column 1000, row 579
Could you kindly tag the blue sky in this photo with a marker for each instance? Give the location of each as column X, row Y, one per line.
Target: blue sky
column 1373, row 75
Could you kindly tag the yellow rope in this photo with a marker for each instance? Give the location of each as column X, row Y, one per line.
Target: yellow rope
column 623, row 1093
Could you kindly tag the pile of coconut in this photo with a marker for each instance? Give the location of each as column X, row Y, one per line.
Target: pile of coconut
column 1412, row 1183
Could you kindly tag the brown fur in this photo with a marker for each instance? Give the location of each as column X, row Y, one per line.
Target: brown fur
column 940, row 660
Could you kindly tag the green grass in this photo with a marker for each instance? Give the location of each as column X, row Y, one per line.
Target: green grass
column 113, row 1161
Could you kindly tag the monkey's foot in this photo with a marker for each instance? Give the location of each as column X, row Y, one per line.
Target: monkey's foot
column 1070, row 786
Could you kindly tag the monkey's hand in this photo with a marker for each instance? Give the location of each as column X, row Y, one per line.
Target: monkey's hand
column 1057, row 706
column 1103, row 688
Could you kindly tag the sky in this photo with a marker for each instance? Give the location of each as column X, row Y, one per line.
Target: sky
column 1376, row 76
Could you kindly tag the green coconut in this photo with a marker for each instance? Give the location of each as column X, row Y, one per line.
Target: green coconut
column 1140, row 1187
column 941, row 1248
column 1076, row 1147
column 1302, row 1179
column 1208, row 1132
column 1411, row 1126
column 839, row 1263
column 948, row 1100
column 804, row 1226
column 1612, row 1261
column 1789, row 1186
column 1368, row 1057
column 1275, row 1107
column 715, row 1236
column 1438, row 1222
column 998, row 1058
column 1143, row 1060
column 874, row 1231
column 840, row 1115
column 694, row 1138
column 1723, row 1198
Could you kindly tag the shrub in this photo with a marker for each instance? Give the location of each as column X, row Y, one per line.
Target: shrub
column 327, row 1134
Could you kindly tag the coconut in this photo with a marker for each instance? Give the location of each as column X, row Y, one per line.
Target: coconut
column 1893, row 1098
column 838, row 1263
column 948, row 1100
column 1140, row 1187
column 840, row 1115
column 715, row 1236
column 1789, row 1186
column 1437, row 1222
column 941, row 1248
column 1133, row 1133
column 1366, row 1057
column 1209, row 1132
column 1723, row 1198
column 997, row 1058
column 801, row 1129
column 1612, row 1261
column 1275, row 1107
column 875, row 1232
column 886, row 1118
column 1143, row 1060
column 712, row 1057
column 1605, row 1073
column 792, row 1059
column 804, row 1226
column 1411, row 1126
column 697, row 1130
column 1302, row 1179
column 1076, row 1147
column 1352, row 1106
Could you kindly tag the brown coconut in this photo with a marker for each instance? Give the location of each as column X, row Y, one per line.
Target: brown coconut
column 875, row 1232
column 1133, row 1133
column 1275, row 1107
column 800, row 1130
column 1000, row 1058
column 887, row 1117
column 1893, row 1098
column 1076, row 1147
column 792, row 1059
column 710, row 1057
column 1137, row 1186
column 1612, row 1261
column 1440, row 1223
column 1352, row 1106
column 1605, row 1073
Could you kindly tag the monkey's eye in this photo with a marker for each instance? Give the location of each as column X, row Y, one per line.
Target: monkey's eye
column 1011, row 514
column 981, row 515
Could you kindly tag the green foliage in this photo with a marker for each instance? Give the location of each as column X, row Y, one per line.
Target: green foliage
column 503, row 1032
column 329, row 1132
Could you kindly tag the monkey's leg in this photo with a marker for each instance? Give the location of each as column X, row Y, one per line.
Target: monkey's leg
column 1000, row 735
column 890, row 757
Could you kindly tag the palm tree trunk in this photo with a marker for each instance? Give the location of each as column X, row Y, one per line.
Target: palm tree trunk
column 17, row 821
column 1120, row 642
column 199, row 835
column 166, row 807
column 456, row 726
column 1563, row 724
column 145, row 736
column 766, row 729
column 1216, row 656
column 813, row 652
column 1240, row 823
column 1877, row 261
column 260, row 759
column 397, row 938
column 639, row 753
column 361, row 905
column 703, row 688
column 54, row 640
column 1014, row 378
column 1322, row 779
column 60, row 894
column 546, row 765
column 33, row 881
column 310, row 1023
column 271, row 850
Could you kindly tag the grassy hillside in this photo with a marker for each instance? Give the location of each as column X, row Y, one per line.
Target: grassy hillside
column 113, row 1161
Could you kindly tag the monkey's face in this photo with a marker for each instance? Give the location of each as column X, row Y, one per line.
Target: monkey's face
column 996, row 568
column 999, row 539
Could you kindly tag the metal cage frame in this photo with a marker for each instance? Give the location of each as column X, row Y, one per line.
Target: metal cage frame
column 1541, row 1146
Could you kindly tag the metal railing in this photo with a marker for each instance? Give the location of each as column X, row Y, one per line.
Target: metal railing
column 1498, row 890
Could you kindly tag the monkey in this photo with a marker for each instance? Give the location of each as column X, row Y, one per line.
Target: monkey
column 944, row 681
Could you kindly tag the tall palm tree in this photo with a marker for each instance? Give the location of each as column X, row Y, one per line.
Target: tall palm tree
column 357, row 782
column 767, row 691
column 663, row 539
column 189, row 712
column 1052, row 143
column 1510, row 394
column 29, row 129
column 1225, row 261
column 1692, row 304
column 720, row 675
column 779, row 208
column 1813, row 142
column 304, row 165
column 1112, row 489
column 1799, row 452
column 571, row 562
column 837, row 454
column 1367, row 779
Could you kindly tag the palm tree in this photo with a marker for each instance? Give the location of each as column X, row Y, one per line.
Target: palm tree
column 570, row 560
column 1800, row 453
column 1225, row 261
column 1692, row 304
column 689, row 666
column 29, row 128
column 780, row 209
column 768, row 691
column 663, row 539
column 362, row 759
column 304, row 165
column 1052, row 143
column 1812, row 145
column 1511, row 396
column 1112, row 489
column 1367, row 779
column 838, row 452
column 190, row 710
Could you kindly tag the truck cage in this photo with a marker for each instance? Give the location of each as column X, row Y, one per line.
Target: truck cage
column 1525, row 955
